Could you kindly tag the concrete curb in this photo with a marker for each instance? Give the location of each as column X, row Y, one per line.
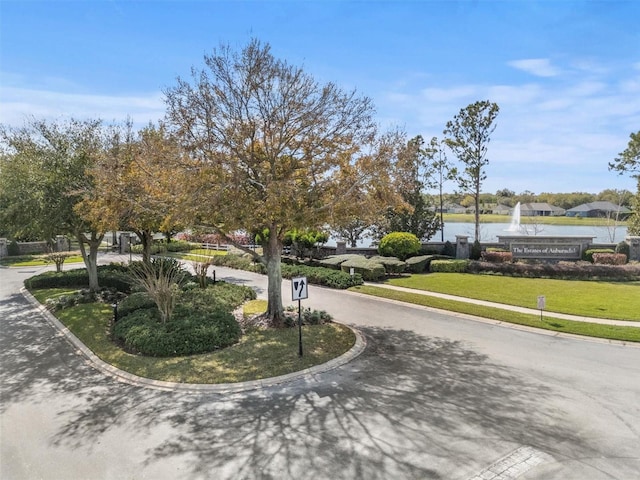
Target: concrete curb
column 500, row 323
column 126, row 377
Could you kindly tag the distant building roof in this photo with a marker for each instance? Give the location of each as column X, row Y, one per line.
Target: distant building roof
column 602, row 206
column 541, row 207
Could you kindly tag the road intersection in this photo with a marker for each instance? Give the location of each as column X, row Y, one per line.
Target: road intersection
column 432, row 395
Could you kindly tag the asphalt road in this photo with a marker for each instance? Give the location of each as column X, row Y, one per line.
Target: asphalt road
column 433, row 396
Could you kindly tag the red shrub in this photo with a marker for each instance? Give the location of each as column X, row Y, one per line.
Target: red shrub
column 609, row 258
column 497, row 257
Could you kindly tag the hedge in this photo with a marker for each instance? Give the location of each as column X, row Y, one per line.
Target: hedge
column 588, row 254
column 370, row 270
column 334, row 261
column 609, row 258
column 108, row 276
column 327, row 277
column 497, row 256
column 188, row 332
column 418, row 264
column 392, row 265
column 449, row 266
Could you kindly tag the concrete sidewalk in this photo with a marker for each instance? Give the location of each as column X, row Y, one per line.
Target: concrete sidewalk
column 533, row 311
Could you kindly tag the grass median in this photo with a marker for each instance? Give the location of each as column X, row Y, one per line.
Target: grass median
column 630, row 334
column 600, row 299
column 261, row 353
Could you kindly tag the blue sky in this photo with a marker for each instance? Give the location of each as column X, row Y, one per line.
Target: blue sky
column 566, row 74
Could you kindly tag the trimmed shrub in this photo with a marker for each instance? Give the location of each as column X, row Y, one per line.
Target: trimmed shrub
column 623, row 247
column 449, row 266
column 219, row 295
column 418, row 264
column 497, row 256
column 13, row 249
column 449, row 249
column 369, row 270
column 392, row 265
column 334, row 261
column 327, row 277
column 239, row 262
column 188, row 332
column 476, row 251
column 562, row 270
column 399, row 244
column 609, row 258
column 108, row 277
column 588, row 254
column 133, row 302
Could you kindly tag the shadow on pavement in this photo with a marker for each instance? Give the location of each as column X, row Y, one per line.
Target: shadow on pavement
column 409, row 407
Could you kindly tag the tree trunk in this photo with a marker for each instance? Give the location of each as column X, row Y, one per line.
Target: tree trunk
column 272, row 256
column 147, row 239
column 91, row 259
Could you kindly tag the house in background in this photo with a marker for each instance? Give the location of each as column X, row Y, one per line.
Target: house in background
column 599, row 209
column 451, row 208
column 502, row 210
column 540, row 210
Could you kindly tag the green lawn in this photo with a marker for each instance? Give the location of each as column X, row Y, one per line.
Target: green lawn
column 35, row 261
column 259, row 354
column 490, row 218
column 629, row 334
column 613, row 300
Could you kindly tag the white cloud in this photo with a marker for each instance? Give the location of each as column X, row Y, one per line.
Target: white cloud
column 540, row 67
column 554, row 137
column 18, row 104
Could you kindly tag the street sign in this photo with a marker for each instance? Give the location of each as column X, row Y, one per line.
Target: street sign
column 541, row 302
column 299, row 288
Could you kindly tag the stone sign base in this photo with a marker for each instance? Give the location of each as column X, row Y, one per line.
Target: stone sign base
column 546, row 247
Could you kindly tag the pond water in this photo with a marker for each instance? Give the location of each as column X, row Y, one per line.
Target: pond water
column 489, row 231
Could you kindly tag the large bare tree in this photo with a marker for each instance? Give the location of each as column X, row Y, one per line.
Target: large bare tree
column 272, row 149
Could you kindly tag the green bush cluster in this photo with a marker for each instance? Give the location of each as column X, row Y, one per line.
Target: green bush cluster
column 104, row 295
column 322, row 276
column 13, row 249
column 109, row 276
column 239, row 262
column 624, row 248
column 202, row 321
column 449, row 266
column 188, row 332
column 334, row 261
column 163, row 247
column 560, row 270
column 399, row 244
column 369, row 270
column 449, row 249
column 418, row 264
column 308, row 317
column 133, row 302
column 392, row 265
column 476, row 250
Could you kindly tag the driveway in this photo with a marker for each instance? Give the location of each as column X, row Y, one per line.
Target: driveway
column 433, row 396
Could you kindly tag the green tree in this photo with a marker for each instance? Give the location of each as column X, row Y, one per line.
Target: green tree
column 628, row 161
column 444, row 171
column 134, row 184
column 468, row 136
column 44, row 179
column 413, row 173
column 271, row 149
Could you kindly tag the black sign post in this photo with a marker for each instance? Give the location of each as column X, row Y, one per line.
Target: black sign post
column 299, row 292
